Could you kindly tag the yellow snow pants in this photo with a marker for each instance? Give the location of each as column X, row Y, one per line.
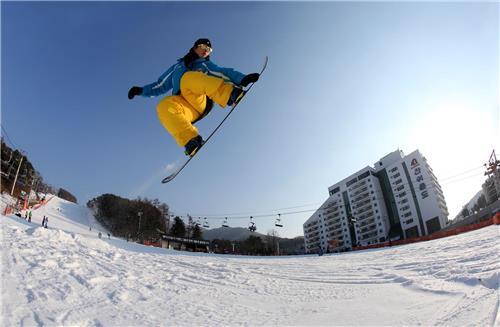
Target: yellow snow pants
column 177, row 112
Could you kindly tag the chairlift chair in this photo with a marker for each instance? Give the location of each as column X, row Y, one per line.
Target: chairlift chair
column 251, row 225
column 278, row 221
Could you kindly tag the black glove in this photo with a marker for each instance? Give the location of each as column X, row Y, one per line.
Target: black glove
column 250, row 78
column 134, row 90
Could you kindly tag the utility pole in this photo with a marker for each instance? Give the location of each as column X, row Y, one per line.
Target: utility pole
column 139, row 229
column 17, row 173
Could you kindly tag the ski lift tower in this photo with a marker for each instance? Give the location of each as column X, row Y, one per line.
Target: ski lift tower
column 491, row 188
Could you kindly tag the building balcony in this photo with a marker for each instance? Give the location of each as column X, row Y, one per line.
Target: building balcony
column 358, row 185
column 330, row 210
column 365, row 216
column 366, row 208
column 361, row 204
column 336, row 221
column 330, row 217
column 312, row 229
column 368, row 228
column 361, row 197
column 368, row 236
column 359, row 191
column 367, row 222
column 310, row 241
column 334, row 227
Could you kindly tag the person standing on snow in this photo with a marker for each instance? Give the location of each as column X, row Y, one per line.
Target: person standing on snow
column 196, row 82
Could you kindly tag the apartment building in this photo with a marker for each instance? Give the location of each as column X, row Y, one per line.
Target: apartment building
column 398, row 198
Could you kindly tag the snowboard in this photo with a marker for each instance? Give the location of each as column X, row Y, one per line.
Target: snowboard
column 246, row 91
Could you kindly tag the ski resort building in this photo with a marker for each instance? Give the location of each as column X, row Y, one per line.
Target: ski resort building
column 398, row 198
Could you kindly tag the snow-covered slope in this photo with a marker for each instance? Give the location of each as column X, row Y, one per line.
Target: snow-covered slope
column 68, row 216
column 53, row 277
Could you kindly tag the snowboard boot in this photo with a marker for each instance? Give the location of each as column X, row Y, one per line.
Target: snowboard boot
column 236, row 95
column 193, row 146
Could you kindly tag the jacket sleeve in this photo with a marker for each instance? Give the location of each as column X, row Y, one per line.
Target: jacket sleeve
column 161, row 86
column 227, row 73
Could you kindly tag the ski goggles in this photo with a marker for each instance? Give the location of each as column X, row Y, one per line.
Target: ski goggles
column 205, row 47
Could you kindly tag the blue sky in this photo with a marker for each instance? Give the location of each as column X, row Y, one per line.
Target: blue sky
column 346, row 84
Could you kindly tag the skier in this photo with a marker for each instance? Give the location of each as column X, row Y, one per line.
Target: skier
column 196, row 82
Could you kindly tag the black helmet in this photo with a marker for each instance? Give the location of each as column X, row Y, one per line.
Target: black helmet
column 203, row 41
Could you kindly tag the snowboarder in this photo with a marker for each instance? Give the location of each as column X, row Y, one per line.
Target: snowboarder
column 196, row 82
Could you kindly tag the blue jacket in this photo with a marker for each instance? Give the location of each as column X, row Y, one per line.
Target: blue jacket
column 171, row 79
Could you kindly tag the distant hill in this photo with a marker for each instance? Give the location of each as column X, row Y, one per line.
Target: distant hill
column 287, row 245
column 229, row 233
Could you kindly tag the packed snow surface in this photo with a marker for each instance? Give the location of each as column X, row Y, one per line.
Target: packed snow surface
column 65, row 275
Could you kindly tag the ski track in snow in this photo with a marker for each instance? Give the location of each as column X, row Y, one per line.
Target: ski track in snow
column 52, row 277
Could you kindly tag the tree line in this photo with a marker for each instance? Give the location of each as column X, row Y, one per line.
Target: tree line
column 140, row 219
column 17, row 168
column 478, row 205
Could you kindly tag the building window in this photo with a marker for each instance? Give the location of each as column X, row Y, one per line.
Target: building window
column 365, row 174
column 352, row 181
